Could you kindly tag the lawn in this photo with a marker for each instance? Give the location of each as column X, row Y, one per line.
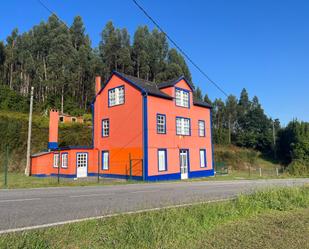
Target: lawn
column 19, row 180
column 274, row 218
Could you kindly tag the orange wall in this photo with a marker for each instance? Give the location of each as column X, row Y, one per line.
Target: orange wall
column 125, row 134
column 170, row 140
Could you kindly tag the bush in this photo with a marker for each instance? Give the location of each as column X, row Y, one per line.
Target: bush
column 299, row 168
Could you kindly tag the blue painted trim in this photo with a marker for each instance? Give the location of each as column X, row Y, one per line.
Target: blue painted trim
column 189, row 97
column 127, row 177
column 165, row 152
column 160, row 114
column 199, row 128
column 64, row 153
column 87, row 160
column 145, row 137
column 102, row 127
column 74, row 148
column 165, row 177
column 205, row 166
column 124, row 95
column 105, row 151
column 201, row 173
column 52, row 145
column 189, row 126
column 212, row 145
column 55, row 175
column 92, row 121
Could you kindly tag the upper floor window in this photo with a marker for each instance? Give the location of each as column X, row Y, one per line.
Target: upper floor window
column 116, row 96
column 182, row 97
column 201, row 128
column 183, row 126
column 105, row 127
column 161, row 123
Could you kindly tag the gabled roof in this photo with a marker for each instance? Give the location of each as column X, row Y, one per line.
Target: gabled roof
column 149, row 87
column 152, row 88
column 173, row 82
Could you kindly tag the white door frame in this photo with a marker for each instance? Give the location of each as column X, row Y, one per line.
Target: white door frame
column 184, row 164
column 81, row 171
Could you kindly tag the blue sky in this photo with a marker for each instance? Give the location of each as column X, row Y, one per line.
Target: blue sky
column 261, row 45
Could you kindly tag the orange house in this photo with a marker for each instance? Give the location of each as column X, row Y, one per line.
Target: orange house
column 143, row 130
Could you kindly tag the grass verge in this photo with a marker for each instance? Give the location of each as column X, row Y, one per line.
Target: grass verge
column 189, row 227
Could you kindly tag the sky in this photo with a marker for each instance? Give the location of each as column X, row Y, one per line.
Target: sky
column 259, row 45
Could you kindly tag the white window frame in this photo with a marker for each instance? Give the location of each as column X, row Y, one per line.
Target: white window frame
column 64, row 160
column 182, row 97
column 105, row 160
column 105, row 127
column 183, row 126
column 201, row 128
column 116, row 96
column 161, row 123
column 203, row 158
column 56, row 160
column 162, row 160
column 82, row 159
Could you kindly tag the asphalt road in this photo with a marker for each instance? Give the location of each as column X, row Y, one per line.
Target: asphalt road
column 29, row 208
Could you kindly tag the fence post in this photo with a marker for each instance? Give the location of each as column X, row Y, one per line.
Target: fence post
column 58, row 166
column 277, row 171
column 130, row 160
column 260, row 172
column 6, row 161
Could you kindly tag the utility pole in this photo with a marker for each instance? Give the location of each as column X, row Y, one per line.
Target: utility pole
column 27, row 169
column 274, row 140
column 230, row 140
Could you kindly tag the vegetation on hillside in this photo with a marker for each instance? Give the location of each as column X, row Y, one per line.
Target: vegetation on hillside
column 187, row 227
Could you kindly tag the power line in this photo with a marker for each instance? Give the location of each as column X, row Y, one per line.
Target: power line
column 179, row 48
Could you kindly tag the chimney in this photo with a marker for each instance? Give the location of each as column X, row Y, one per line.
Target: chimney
column 97, row 84
column 53, row 129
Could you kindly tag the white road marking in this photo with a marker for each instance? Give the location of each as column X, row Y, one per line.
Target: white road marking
column 13, row 230
column 16, row 200
column 143, row 191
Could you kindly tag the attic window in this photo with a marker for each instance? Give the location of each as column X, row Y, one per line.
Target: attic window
column 182, row 97
column 116, row 96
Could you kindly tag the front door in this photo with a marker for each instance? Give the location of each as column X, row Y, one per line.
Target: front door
column 82, row 164
column 184, row 162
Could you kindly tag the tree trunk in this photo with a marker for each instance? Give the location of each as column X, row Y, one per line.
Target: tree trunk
column 62, row 93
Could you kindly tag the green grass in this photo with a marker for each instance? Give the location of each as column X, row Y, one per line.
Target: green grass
column 19, row 180
column 188, row 227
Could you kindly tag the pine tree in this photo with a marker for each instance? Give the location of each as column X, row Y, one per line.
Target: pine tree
column 207, row 99
column 198, row 94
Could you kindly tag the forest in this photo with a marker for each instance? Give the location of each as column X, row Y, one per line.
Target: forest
column 61, row 63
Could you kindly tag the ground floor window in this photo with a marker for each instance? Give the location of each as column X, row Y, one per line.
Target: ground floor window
column 64, row 160
column 81, row 159
column 202, row 158
column 162, row 159
column 105, row 160
column 56, row 160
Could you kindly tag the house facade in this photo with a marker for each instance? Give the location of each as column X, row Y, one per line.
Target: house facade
column 141, row 129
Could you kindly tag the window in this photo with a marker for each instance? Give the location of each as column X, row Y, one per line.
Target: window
column 161, row 123
column 81, row 160
column 56, row 160
column 183, row 126
column 201, row 128
column 61, row 119
column 116, row 96
column 105, row 160
column 202, row 158
column 73, row 120
column 105, row 127
column 64, row 160
column 182, row 98
column 162, row 160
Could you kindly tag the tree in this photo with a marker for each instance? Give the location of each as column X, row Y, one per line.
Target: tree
column 231, row 115
column 198, row 94
column 207, row 99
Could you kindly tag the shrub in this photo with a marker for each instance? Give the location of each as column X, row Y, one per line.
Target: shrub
column 298, row 168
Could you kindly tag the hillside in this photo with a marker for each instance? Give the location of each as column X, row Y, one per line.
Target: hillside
column 14, row 128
